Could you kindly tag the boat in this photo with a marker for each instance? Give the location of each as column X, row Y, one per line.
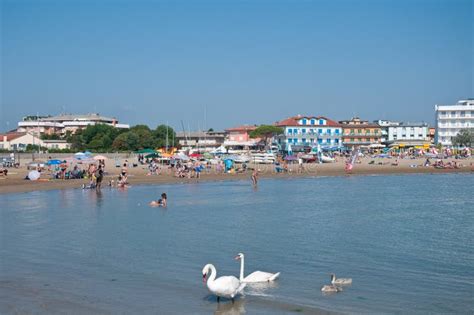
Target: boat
column 327, row 159
column 263, row 158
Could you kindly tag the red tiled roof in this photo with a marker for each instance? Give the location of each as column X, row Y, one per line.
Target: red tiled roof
column 11, row 135
column 293, row 121
column 242, row 128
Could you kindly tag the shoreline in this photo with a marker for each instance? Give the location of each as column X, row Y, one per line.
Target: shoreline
column 15, row 183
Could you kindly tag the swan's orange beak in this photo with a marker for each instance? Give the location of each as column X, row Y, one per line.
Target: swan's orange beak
column 237, row 257
column 204, row 278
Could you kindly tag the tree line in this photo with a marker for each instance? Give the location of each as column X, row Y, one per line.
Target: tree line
column 105, row 138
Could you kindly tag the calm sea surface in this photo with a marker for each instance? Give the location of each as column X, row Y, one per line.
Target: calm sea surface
column 407, row 242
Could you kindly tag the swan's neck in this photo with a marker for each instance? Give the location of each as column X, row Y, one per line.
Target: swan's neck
column 242, row 263
column 213, row 275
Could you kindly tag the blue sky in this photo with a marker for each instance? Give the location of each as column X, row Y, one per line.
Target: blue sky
column 225, row 63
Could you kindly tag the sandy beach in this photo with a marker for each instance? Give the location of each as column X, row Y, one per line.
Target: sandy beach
column 15, row 182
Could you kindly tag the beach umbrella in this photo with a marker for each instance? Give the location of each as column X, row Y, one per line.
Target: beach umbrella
column 152, row 155
column 34, row 175
column 87, row 153
column 100, row 157
column 195, row 155
column 79, row 156
column 142, row 151
column 54, row 162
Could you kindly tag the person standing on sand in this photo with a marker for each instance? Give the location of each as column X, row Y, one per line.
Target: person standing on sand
column 254, row 177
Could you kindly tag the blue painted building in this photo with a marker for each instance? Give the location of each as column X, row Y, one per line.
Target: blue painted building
column 309, row 131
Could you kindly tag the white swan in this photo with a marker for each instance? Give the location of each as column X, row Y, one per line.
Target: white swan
column 257, row 276
column 226, row 286
column 341, row 281
column 331, row 288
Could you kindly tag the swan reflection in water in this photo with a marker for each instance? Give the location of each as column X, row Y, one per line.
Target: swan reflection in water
column 236, row 308
column 260, row 288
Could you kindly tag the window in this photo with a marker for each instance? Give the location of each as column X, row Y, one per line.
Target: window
column 329, row 131
column 352, row 140
column 337, row 131
column 303, row 131
column 313, row 121
column 359, row 130
column 311, row 131
column 289, row 140
column 295, row 131
column 320, row 131
column 289, row 131
column 328, row 140
column 463, row 113
column 336, row 140
column 376, row 131
column 304, row 121
column 320, row 140
column 311, row 140
column 321, row 122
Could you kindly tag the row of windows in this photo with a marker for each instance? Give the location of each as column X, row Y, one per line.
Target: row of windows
column 360, row 140
column 320, row 141
column 453, row 113
column 353, row 131
column 311, row 131
column 305, row 121
column 409, row 136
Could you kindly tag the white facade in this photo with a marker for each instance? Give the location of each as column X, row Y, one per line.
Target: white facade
column 63, row 123
column 450, row 119
column 18, row 142
column 384, row 125
column 408, row 132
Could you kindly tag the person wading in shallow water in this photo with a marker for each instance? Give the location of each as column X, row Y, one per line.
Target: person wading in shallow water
column 254, row 177
column 162, row 202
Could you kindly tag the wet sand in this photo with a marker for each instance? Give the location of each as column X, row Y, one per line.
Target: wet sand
column 15, row 183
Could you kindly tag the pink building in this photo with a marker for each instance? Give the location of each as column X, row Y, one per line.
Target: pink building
column 240, row 136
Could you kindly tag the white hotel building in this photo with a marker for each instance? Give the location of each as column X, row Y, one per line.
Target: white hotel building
column 65, row 122
column 450, row 119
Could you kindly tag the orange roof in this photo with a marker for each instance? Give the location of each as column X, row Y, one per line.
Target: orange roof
column 293, row 121
column 11, row 135
column 242, row 128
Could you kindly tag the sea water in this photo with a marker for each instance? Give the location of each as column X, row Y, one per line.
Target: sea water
column 405, row 240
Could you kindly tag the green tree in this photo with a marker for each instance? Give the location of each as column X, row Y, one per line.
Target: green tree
column 266, row 132
column 465, row 138
column 160, row 135
column 145, row 136
column 127, row 141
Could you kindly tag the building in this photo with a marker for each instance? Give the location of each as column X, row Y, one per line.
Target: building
column 56, row 144
column 18, row 141
column 408, row 135
column 309, row 131
column 431, row 134
column 360, row 133
column 65, row 122
column 384, row 125
column 240, row 136
column 200, row 140
column 450, row 119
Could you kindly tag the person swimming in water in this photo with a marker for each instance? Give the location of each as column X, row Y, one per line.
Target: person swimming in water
column 162, row 202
